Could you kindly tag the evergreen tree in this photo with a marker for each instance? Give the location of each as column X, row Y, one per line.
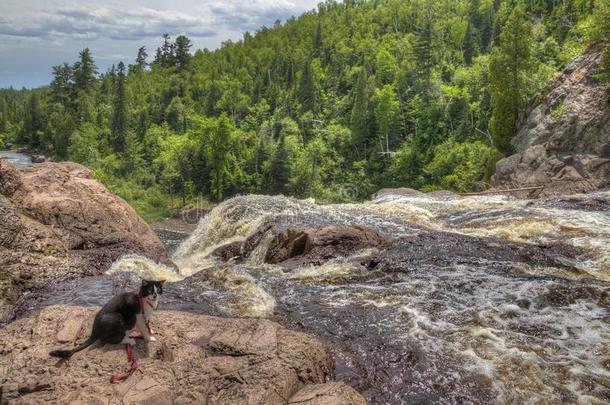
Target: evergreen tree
column 360, row 113
column 174, row 115
column 219, row 148
column 307, row 89
column 84, row 71
column 508, row 70
column 424, row 55
column 165, row 53
column 133, row 155
column 34, row 122
column 317, row 40
column 279, row 167
column 62, row 86
column 141, row 58
column 468, row 46
column 182, row 53
column 119, row 115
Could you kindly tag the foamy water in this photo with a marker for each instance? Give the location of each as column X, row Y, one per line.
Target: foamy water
column 468, row 321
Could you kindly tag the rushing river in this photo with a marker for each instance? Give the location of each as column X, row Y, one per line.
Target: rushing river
column 20, row 160
column 478, row 299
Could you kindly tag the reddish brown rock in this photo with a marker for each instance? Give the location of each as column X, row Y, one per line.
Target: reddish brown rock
column 84, row 212
column 9, row 178
column 213, row 360
column 299, row 246
column 56, row 222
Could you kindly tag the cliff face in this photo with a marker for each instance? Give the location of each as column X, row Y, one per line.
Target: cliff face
column 564, row 141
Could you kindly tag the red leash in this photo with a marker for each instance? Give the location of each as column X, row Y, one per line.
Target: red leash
column 131, row 359
column 134, row 365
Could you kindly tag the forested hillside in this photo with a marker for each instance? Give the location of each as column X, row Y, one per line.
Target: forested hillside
column 334, row 104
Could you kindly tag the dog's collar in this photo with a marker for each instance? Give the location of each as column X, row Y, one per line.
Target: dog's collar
column 142, row 301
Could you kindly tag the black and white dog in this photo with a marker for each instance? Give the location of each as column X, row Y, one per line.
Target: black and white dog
column 120, row 315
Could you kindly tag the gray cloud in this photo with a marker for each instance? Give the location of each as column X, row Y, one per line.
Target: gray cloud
column 124, row 23
column 134, row 24
column 249, row 16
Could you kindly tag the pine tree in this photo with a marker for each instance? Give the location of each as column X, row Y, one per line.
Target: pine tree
column 220, row 145
column 62, row 86
column 317, row 40
column 360, row 113
column 182, row 53
column 174, row 115
column 84, row 71
column 34, row 122
column 119, row 116
column 468, row 46
column 141, row 58
column 133, row 155
column 165, row 53
column 307, row 89
column 508, row 70
column 279, row 169
column 423, row 53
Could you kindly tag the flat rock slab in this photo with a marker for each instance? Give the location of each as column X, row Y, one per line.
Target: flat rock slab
column 196, row 359
column 71, row 327
column 335, row 393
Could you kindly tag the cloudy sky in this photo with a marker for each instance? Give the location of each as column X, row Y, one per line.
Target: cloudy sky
column 37, row 34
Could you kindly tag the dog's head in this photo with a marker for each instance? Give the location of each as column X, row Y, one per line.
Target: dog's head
column 151, row 290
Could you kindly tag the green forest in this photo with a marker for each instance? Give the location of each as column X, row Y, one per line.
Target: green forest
column 334, row 104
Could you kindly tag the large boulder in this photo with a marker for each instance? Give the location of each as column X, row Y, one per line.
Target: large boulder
column 196, row 359
column 296, row 247
column 56, row 221
column 564, row 141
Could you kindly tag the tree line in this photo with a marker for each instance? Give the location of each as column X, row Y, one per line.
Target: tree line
column 334, row 104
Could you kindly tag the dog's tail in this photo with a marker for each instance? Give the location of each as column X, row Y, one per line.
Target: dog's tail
column 66, row 354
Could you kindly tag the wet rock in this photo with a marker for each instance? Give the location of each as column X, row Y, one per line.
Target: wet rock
column 399, row 191
column 288, row 244
column 441, row 249
column 228, row 251
column 298, row 246
column 215, row 361
column 564, row 142
column 57, row 222
column 38, row 159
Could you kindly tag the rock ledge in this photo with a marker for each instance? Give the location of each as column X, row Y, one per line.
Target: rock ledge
column 196, row 359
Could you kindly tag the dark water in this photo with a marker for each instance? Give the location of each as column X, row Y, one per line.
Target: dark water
column 481, row 300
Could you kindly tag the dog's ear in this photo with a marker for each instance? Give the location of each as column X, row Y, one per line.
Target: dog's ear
column 145, row 282
column 161, row 282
